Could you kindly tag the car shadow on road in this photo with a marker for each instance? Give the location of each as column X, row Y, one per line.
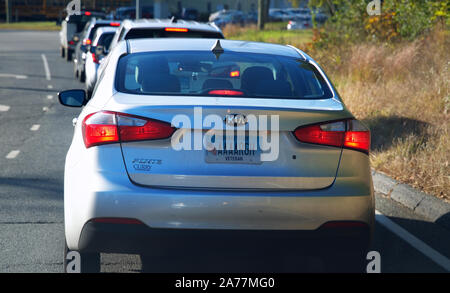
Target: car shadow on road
column 30, row 89
column 44, row 187
column 386, row 130
column 398, row 255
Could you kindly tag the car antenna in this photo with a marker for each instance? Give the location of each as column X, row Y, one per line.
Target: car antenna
column 217, row 49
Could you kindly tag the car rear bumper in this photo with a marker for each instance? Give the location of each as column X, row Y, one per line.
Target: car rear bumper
column 105, row 191
column 141, row 239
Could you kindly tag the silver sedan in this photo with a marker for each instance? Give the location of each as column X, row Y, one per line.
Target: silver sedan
column 190, row 144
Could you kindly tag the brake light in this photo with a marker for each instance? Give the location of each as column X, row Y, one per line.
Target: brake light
column 110, row 127
column 350, row 134
column 235, row 73
column 100, row 128
column 95, row 59
column 134, row 129
column 114, row 23
column 71, row 43
column 226, row 92
column 87, row 13
column 176, row 29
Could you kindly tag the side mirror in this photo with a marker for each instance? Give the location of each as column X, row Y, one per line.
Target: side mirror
column 73, row 98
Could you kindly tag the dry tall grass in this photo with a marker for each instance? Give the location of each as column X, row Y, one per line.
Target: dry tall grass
column 402, row 92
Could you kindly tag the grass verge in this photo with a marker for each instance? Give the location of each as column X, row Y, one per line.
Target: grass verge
column 273, row 33
column 35, row 26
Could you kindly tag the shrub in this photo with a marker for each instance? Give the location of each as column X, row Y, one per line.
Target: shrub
column 405, row 19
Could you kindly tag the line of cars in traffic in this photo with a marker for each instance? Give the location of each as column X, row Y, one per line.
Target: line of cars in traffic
column 90, row 45
column 135, row 182
column 297, row 18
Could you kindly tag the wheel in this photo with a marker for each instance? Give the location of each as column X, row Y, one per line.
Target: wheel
column 63, row 52
column 82, row 76
column 68, row 55
column 89, row 91
column 89, row 262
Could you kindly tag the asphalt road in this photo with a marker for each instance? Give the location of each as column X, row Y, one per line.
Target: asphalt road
column 35, row 133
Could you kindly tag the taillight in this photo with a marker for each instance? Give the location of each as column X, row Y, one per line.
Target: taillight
column 87, row 42
column 110, row 127
column 235, row 73
column 226, row 93
column 133, row 128
column 350, row 134
column 95, row 59
column 87, row 13
column 100, row 128
column 114, row 23
column 176, row 29
column 357, row 136
column 71, row 43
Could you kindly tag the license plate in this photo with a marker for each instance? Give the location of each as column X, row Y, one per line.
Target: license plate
column 234, row 156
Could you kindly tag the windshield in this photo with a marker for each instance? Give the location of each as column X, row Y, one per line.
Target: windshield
column 200, row 73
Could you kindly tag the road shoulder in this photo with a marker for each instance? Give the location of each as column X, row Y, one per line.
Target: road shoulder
column 428, row 206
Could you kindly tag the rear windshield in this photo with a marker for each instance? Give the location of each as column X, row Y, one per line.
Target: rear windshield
column 201, row 73
column 105, row 40
column 81, row 20
column 162, row 33
column 94, row 29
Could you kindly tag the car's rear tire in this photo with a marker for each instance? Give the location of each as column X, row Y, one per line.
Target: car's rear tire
column 89, row 262
column 89, row 91
column 68, row 54
column 82, row 76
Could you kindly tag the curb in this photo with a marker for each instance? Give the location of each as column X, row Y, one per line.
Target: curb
column 421, row 203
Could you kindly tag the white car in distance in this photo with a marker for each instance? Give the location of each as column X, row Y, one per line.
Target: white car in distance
column 98, row 50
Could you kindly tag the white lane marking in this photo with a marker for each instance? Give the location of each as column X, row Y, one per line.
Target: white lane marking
column 35, row 127
column 13, row 154
column 47, row 69
column 50, row 86
column 49, row 97
column 418, row 244
column 4, row 108
column 17, row 76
